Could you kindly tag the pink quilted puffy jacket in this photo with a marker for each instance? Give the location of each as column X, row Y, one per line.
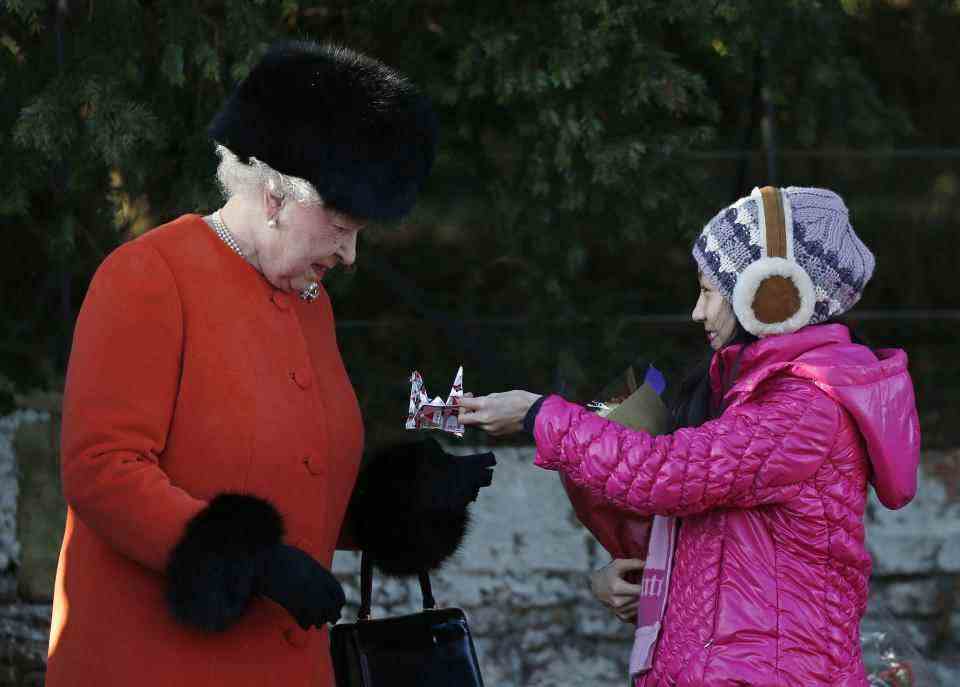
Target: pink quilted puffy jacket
column 771, row 571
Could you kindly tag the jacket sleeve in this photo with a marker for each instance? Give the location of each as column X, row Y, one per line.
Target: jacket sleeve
column 121, row 386
column 757, row 453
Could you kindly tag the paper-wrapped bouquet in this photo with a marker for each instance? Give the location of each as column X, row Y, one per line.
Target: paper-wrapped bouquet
column 633, row 400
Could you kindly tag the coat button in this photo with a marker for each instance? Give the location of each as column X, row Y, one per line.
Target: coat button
column 313, row 465
column 281, row 300
column 296, row 637
column 301, row 378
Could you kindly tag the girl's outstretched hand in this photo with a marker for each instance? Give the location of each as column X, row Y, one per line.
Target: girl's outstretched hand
column 497, row 414
column 610, row 586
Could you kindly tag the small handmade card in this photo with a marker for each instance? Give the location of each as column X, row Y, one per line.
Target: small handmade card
column 435, row 414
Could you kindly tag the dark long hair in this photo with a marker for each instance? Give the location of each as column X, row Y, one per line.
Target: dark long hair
column 695, row 403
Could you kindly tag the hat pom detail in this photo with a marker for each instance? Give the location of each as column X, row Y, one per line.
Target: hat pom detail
column 773, row 296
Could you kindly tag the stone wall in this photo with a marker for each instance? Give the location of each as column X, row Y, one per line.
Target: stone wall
column 916, row 577
column 522, row 577
column 26, row 486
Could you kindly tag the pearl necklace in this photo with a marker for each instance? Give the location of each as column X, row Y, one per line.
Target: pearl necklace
column 309, row 293
column 221, row 228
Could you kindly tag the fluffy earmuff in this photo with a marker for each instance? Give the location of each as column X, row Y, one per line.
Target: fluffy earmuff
column 774, row 295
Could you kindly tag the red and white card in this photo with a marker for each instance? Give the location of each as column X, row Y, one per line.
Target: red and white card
column 436, row 414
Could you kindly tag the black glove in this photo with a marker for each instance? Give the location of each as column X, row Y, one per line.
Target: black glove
column 444, row 481
column 310, row 592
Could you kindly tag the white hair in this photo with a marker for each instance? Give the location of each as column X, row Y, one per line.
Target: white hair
column 238, row 178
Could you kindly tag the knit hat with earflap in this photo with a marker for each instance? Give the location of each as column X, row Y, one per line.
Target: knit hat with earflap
column 785, row 258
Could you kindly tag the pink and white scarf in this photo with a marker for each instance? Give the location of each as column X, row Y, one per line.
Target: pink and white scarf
column 654, row 587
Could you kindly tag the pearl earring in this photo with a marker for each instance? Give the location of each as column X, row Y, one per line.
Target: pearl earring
column 272, row 223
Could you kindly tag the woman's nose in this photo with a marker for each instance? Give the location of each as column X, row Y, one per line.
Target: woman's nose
column 698, row 313
column 348, row 250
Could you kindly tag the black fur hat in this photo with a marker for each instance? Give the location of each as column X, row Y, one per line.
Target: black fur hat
column 354, row 128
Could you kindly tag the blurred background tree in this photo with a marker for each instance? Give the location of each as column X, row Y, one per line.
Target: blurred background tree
column 583, row 144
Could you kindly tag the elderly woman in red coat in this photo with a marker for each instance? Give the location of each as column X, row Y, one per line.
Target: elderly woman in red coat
column 211, row 436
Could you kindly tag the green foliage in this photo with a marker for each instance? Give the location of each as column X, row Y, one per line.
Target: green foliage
column 568, row 176
column 26, row 10
column 567, row 132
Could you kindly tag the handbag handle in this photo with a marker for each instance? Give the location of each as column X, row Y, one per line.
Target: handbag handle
column 366, row 587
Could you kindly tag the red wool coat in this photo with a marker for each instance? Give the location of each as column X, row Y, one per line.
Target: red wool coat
column 190, row 376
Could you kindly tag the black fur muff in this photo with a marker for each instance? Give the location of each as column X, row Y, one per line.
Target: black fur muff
column 214, row 569
column 410, row 508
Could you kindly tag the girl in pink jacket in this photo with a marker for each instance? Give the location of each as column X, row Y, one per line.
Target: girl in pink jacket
column 757, row 572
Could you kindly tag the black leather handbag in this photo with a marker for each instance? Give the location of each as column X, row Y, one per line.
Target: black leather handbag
column 432, row 648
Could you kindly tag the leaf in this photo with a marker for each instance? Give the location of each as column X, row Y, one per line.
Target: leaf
column 44, row 125
column 16, row 200
column 8, row 42
column 206, row 58
column 290, row 13
column 27, row 10
column 171, row 65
